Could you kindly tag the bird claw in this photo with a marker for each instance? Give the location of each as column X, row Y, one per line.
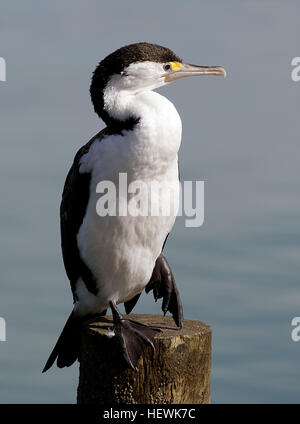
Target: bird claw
column 163, row 284
column 134, row 337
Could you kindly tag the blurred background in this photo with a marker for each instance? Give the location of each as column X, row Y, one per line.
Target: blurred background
column 239, row 272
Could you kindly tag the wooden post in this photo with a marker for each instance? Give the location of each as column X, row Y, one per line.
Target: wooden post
column 178, row 371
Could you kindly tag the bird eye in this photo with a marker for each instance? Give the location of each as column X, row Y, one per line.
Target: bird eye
column 167, row 67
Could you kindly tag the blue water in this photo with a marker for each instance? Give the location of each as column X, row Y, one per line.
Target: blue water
column 240, row 271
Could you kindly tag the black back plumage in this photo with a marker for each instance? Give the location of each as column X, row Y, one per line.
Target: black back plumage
column 73, row 206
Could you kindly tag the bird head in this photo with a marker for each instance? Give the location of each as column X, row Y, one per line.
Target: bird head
column 140, row 67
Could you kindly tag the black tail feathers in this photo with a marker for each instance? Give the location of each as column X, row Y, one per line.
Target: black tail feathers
column 66, row 349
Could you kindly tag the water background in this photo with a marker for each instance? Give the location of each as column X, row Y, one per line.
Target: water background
column 240, row 271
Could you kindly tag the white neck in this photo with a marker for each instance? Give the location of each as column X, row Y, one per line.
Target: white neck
column 159, row 121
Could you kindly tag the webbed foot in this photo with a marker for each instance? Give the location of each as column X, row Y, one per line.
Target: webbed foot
column 163, row 284
column 133, row 336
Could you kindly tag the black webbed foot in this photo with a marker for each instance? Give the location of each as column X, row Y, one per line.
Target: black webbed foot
column 133, row 336
column 163, row 284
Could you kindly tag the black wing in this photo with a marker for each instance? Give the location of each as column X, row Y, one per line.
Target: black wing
column 72, row 210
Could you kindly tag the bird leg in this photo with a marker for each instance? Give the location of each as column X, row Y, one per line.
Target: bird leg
column 133, row 336
column 163, row 284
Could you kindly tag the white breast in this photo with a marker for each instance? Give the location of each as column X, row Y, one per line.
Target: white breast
column 121, row 251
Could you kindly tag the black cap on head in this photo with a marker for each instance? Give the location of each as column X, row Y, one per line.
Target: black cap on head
column 117, row 61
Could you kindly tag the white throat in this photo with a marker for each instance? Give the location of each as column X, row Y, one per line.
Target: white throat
column 157, row 116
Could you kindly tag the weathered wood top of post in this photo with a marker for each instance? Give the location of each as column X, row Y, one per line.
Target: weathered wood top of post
column 177, row 371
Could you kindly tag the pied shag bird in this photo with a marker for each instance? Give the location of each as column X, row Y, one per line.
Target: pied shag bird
column 112, row 259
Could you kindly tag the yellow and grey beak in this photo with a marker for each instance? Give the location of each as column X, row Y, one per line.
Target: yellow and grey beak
column 181, row 70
